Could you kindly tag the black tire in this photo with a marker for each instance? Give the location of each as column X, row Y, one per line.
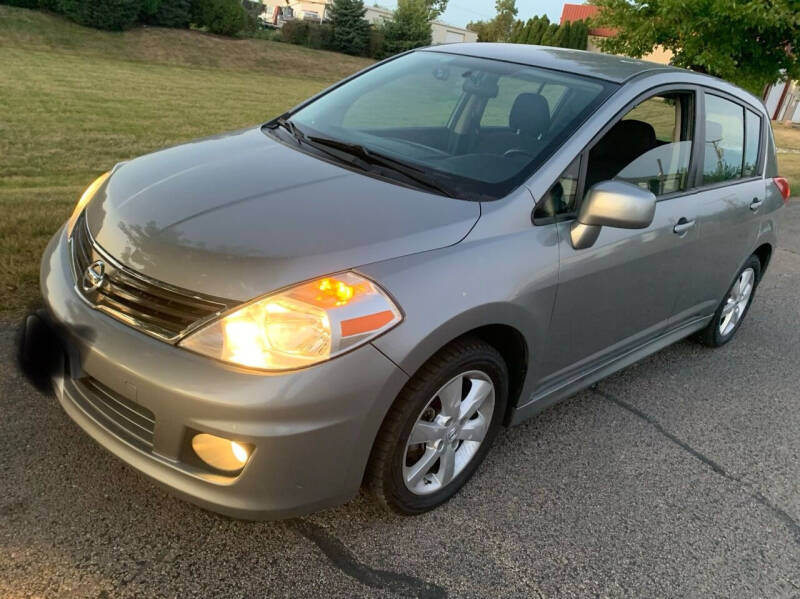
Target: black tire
column 384, row 477
column 711, row 335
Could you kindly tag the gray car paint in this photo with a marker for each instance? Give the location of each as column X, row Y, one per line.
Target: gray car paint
column 240, row 214
column 581, row 314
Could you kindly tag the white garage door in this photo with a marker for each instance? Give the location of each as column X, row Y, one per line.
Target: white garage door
column 453, row 37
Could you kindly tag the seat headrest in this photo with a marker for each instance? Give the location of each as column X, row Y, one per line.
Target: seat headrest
column 529, row 115
column 625, row 141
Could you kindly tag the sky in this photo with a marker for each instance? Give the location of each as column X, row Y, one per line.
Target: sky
column 461, row 12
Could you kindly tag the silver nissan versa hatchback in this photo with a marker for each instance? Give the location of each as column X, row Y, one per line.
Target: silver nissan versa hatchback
column 366, row 289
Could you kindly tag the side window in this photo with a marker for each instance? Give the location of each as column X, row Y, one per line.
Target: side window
column 752, row 137
column 560, row 198
column 724, row 151
column 650, row 147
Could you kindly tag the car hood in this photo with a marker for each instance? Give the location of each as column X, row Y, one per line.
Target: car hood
column 240, row 214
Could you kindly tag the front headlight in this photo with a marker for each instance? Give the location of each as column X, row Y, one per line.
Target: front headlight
column 305, row 324
column 85, row 198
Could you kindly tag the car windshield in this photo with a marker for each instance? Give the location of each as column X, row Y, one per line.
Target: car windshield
column 461, row 126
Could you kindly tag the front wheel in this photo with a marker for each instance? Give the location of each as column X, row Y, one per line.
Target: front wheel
column 734, row 306
column 440, row 428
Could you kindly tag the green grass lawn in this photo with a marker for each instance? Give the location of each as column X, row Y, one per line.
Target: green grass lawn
column 788, row 138
column 74, row 101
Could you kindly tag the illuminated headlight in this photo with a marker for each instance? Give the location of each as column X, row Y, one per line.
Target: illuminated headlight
column 303, row 325
column 85, row 199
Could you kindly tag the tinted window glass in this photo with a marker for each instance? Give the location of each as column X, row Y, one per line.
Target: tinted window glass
column 560, row 199
column 724, row 140
column 751, row 139
column 650, row 147
column 416, row 100
column 498, row 109
column 479, row 127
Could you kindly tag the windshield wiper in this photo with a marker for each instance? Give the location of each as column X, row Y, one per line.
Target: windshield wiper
column 413, row 173
column 291, row 128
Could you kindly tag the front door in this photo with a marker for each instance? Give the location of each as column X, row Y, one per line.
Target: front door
column 621, row 292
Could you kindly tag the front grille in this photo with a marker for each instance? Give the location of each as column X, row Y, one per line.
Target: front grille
column 122, row 417
column 153, row 307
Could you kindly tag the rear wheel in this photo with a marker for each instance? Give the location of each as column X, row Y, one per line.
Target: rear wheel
column 734, row 307
column 440, row 428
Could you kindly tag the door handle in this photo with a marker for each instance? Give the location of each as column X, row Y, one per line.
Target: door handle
column 756, row 204
column 682, row 226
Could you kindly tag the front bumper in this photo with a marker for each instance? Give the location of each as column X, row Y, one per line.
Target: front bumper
column 312, row 430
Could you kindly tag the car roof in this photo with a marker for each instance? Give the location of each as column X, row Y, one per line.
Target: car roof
column 592, row 64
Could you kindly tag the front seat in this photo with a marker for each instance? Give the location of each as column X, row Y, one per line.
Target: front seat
column 624, row 143
column 528, row 121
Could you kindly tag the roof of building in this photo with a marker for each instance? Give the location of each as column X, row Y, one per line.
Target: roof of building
column 581, row 12
column 593, row 64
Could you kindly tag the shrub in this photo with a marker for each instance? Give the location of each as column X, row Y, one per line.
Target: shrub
column 295, row 32
column 375, row 46
column 102, row 14
column 224, row 17
column 168, row 13
column 22, row 3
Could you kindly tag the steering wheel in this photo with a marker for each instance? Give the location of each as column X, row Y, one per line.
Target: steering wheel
column 517, row 152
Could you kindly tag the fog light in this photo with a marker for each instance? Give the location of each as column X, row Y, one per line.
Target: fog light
column 220, row 453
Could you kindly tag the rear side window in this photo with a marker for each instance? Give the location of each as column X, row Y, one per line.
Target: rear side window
column 752, row 137
column 724, row 147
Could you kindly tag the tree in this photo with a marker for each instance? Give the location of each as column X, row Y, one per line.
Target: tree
column 549, row 35
column 409, row 28
column 516, row 32
column 350, row 29
column 503, row 21
column 750, row 42
column 102, row 14
column 483, row 29
column 537, row 31
column 167, row 13
column 500, row 27
column 224, row 17
column 579, row 36
column 561, row 38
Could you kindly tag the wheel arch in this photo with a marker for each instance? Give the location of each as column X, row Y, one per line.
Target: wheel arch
column 764, row 255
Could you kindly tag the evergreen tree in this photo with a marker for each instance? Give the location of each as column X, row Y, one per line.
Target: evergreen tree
column 561, row 38
column 350, row 29
column 525, row 34
column 410, row 28
column 579, row 36
column 516, row 32
column 537, row 32
column 548, row 37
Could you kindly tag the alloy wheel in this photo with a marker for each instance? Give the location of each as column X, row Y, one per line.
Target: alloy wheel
column 448, row 432
column 736, row 302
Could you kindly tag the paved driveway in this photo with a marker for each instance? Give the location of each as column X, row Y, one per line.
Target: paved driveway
column 679, row 476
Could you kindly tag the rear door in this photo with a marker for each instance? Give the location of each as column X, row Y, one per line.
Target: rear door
column 727, row 204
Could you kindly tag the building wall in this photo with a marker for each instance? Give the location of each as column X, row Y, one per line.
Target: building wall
column 659, row 55
column 442, row 33
column 782, row 100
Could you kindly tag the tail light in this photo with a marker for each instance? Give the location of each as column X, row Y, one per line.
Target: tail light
column 783, row 186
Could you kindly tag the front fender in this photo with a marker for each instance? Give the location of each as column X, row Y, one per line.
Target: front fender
column 508, row 280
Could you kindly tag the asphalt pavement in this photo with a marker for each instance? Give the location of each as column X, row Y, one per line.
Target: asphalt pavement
column 677, row 477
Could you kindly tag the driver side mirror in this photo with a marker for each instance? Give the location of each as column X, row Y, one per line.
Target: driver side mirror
column 612, row 204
